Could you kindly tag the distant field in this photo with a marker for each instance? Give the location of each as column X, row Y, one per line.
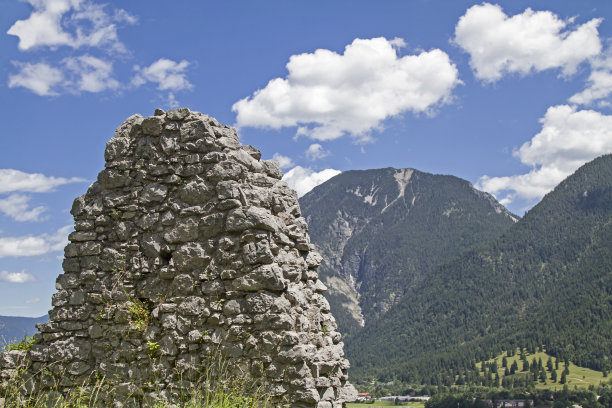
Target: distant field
column 578, row 377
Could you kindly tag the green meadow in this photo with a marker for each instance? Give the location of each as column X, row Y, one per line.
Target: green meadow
column 578, row 377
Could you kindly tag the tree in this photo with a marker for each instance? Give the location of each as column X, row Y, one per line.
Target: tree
column 505, row 382
column 549, row 364
column 542, row 376
column 535, row 371
column 513, row 367
column 504, row 362
column 563, row 377
column 553, row 375
column 525, row 365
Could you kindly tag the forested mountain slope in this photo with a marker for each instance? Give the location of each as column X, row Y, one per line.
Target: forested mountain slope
column 382, row 231
column 546, row 280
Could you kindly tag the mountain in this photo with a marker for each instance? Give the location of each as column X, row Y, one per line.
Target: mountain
column 547, row 280
column 14, row 329
column 382, row 231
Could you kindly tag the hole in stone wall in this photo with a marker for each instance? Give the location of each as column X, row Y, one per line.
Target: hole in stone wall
column 165, row 256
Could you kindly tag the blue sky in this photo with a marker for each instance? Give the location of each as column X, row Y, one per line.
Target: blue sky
column 512, row 96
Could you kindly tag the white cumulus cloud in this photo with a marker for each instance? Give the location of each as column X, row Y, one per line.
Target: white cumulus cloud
column 531, row 41
column 569, row 138
column 31, row 245
column 303, row 179
column 315, row 151
column 40, row 78
column 84, row 24
column 167, row 74
column 72, row 75
column 91, row 74
column 44, row 26
column 328, row 95
column 17, row 206
column 599, row 84
column 72, row 23
column 16, row 277
column 283, row 161
column 18, row 181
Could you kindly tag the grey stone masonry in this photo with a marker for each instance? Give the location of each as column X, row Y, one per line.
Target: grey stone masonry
column 188, row 245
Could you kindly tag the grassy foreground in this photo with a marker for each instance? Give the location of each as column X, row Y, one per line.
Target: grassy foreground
column 215, row 387
column 378, row 404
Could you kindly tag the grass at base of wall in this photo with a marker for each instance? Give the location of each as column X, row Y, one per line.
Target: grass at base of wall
column 215, row 387
column 377, row 404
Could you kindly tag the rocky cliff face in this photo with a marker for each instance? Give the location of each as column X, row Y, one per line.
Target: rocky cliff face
column 382, row 231
column 187, row 246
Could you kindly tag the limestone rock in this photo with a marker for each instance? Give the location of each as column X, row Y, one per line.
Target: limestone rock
column 189, row 244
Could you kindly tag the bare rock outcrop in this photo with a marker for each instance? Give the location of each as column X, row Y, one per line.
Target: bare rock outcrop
column 188, row 245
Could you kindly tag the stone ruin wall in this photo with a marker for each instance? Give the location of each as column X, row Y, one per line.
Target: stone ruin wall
column 187, row 245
